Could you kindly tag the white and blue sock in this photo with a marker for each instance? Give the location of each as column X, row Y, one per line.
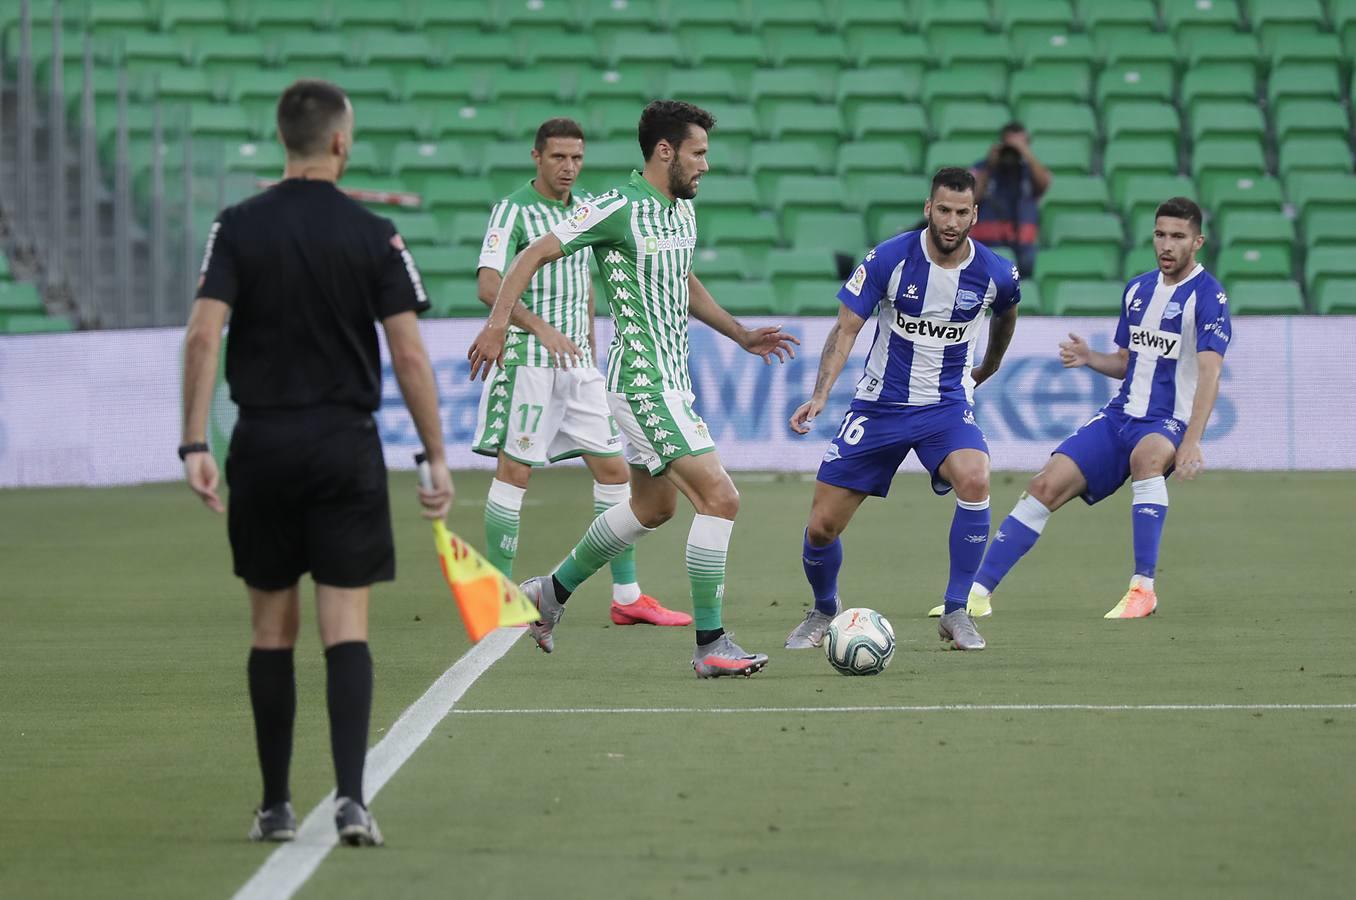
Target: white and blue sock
column 969, row 536
column 821, row 570
column 1016, row 535
column 1149, row 512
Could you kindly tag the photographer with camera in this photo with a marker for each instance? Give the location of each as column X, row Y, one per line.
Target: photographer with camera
column 1009, row 183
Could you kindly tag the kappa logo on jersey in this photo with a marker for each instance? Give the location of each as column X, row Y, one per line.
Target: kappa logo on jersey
column 644, row 404
column 1172, row 310
column 616, row 275
column 661, row 433
column 857, row 281
column 641, row 380
column 1151, row 342
column 631, row 329
column 967, row 300
column 653, row 420
column 933, row 333
column 622, row 294
column 613, row 257
column 640, row 362
column 637, row 347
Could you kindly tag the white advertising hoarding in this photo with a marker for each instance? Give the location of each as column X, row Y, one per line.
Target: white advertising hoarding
column 102, row 407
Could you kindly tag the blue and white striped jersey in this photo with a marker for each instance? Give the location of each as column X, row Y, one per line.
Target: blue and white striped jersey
column 927, row 318
column 1164, row 327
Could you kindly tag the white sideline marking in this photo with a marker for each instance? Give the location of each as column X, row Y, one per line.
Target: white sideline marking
column 288, row 867
column 954, row 707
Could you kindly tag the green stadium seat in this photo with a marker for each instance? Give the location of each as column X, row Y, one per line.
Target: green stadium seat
column 556, row 17
column 280, row 18
column 141, row 48
column 439, row 158
column 267, row 158
column 740, row 227
column 1227, row 119
column 805, row 45
column 1249, row 261
column 466, row 227
column 885, row 222
column 391, row 48
column 1301, row 79
column 1308, row 153
column 472, row 47
column 1063, row 228
column 1065, row 154
column 1141, row 81
column 959, row 49
column 510, row 85
column 1033, row 301
column 962, row 152
column 1046, row 117
column 865, row 191
column 1335, row 296
column 786, row 267
column 475, row 123
column 724, row 262
column 1135, row 47
column 36, row 324
column 20, row 298
column 1214, row 82
column 106, row 15
column 1263, row 14
column 902, row 153
column 610, row 121
column 769, row 161
column 879, row 84
column 1310, row 118
column 366, row 85
column 221, row 120
column 448, row 262
column 1254, row 229
column 1081, row 297
column 1076, row 193
column 725, row 190
column 967, row 118
column 1215, row 14
column 458, row 85
column 1214, row 48
column 601, row 16
column 888, row 46
column 643, row 51
column 701, row 86
column 1139, row 260
column 552, row 47
column 737, row 126
column 1050, row 46
column 843, row 232
column 366, row 159
column 795, row 195
column 1050, row 81
column 195, row 16
column 1220, row 191
column 720, row 46
column 799, row 84
column 678, row 14
column 1240, row 157
column 747, row 298
column 1146, row 191
column 1326, row 226
column 455, row 298
column 1012, row 14
column 1266, row 297
column 933, row 14
column 819, row 122
column 1293, row 47
column 187, row 85
column 1080, row 262
column 450, row 16
column 1325, row 264
column 976, row 82
column 1097, row 14
column 851, row 15
column 1311, row 190
column 389, row 123
column 419, row 228
column 1137, row 118
column 1153, row 155
column 233, row 51
column 346, row 15
column 814, row 297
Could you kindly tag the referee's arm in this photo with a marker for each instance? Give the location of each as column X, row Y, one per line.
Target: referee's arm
column 414, row 373
column 202, row 345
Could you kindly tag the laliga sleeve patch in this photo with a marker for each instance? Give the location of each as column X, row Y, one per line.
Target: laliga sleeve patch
column 494, row 239
column 857, row 281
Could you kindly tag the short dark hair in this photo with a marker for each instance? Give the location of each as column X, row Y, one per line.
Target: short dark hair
column 953, row 178
column 308, row 113
column 1181, row 208
column 667, row 120
column 560, row 127
column 1012, row 127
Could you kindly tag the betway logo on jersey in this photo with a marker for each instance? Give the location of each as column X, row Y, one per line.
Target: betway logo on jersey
column 1155, row 343
column 933, row 332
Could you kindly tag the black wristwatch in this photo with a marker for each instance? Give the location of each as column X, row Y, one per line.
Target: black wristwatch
column 185, row 449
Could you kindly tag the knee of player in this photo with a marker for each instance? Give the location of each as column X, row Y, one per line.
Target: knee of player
column 722, row 501
column 1042, row 489
column 654, row 514
column 821, row 532
column 972, row 484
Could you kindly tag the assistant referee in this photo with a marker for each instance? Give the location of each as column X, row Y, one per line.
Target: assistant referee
column 303, row 272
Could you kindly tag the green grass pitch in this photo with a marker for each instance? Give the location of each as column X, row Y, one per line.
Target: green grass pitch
column 127, row 755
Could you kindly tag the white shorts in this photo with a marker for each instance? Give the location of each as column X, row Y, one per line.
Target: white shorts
column 660, row 428
column 536, row 415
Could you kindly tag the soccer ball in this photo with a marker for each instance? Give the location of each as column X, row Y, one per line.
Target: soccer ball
column 860, row 642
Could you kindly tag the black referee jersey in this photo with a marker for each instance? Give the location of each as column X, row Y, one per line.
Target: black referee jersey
column 307, row 272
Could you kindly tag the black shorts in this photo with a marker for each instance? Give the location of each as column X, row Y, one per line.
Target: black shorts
column 308, row 494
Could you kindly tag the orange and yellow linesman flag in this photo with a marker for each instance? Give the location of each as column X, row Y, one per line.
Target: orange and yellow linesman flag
column 486, row 598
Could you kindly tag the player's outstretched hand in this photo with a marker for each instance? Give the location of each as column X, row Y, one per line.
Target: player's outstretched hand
column 564, row 353
column 1074, row 352
column 1190, row 460
column 201, row 471
column 803, row 418
column 770, row 341
column 437, row 497
column 487, row 348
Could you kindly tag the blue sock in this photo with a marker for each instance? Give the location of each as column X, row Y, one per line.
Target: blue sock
column 821, row 570
column 1016, row 535
column 1149, row 512
column 969, row 535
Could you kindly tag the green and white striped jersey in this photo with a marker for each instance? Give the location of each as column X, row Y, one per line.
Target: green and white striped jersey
column 644, row 244
column 559, row 292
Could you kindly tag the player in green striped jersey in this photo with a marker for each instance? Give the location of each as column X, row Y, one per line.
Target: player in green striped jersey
column 532, row 411
column 644, row 233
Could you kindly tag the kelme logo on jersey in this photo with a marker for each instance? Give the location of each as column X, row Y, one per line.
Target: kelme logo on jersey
column 658, row 245
column 1151, row 342
column 857, row 281
column 932, row 333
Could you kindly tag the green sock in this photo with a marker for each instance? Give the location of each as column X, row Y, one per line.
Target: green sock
column 610, row 535
column 707, row 544
column 502, row 510
column 606, row 496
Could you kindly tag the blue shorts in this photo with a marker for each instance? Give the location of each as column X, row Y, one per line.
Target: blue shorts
column 1101, row 449
column 875, row 438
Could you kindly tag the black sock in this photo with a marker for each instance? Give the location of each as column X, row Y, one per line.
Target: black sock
column 706, row 637
column 273, row 694
column 349, row 692
column 561, row 594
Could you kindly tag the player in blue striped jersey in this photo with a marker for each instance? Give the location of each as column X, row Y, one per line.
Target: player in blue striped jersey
column 1173, row 331
column 928, row 291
